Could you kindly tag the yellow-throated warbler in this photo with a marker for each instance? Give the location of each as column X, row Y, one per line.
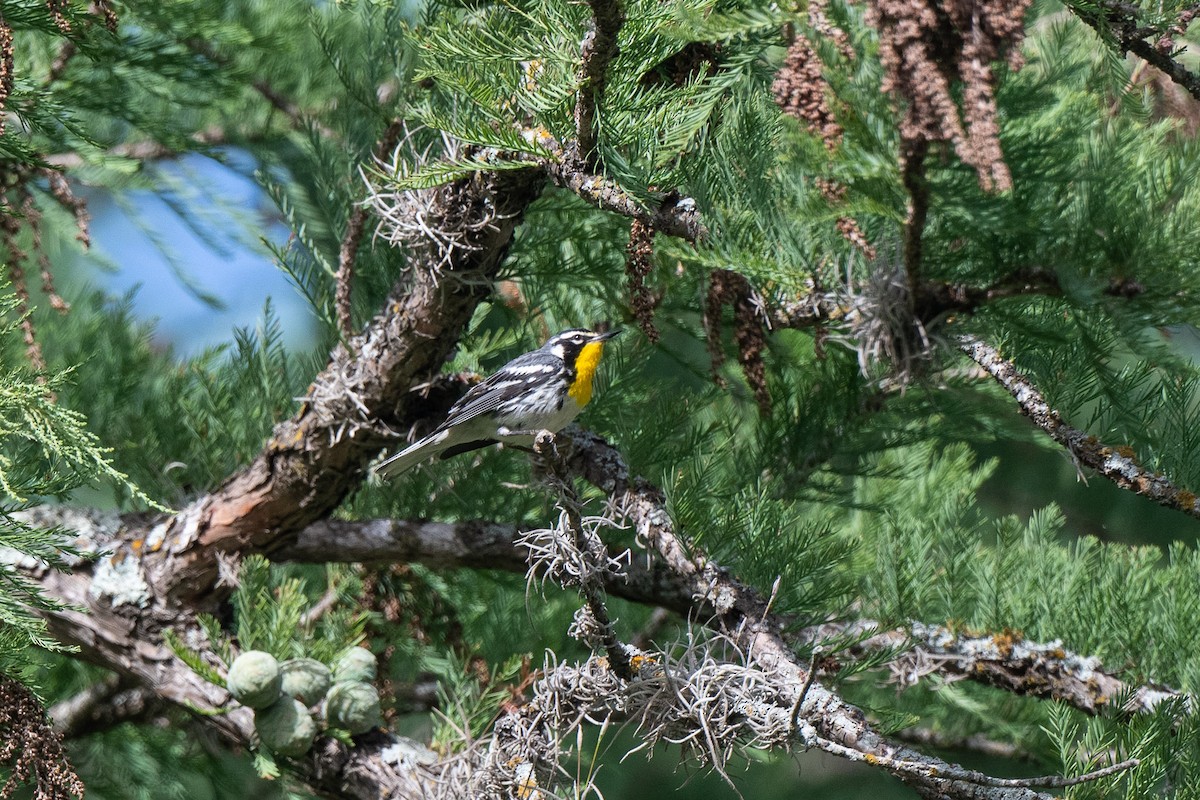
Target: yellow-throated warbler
column 542, row 390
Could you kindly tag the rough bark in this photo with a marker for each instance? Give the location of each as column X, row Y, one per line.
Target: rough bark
column 313, row 460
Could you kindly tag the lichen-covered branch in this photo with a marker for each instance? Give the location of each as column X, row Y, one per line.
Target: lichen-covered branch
column 573, row 555
column 1118, row 464
column 1005, row 660
column 748, row 658
column 315, row 458
column 711, row 700
column 738, row 612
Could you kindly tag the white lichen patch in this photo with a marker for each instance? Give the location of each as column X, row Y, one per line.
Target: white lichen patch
column 120, row 581
column 157, row 534
column 406, row 754
column 22, row 561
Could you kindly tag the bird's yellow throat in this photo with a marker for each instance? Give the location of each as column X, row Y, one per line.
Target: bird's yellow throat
column 585, row 369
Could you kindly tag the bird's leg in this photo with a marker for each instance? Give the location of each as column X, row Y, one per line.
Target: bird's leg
column 503, row 434
column 544, row 445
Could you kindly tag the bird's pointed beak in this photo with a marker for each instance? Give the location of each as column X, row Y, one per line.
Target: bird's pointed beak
column 604, row 337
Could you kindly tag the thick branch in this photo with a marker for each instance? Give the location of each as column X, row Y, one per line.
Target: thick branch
column 1118, row 464
column 120, row 628
column 314, row 459
column 746, row 618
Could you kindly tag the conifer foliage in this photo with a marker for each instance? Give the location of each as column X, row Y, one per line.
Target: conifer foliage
column 856, row 244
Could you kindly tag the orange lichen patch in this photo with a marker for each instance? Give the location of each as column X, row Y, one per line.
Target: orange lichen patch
column 136, row 545
column 1005, row 640
column 526, row 788
column 1058, row 652
column 639, row 662
column 1186, row 498
column 870, row 758
column 1125, row 451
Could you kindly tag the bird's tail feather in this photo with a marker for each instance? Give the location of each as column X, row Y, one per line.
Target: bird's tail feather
column 414, row 454
column 466, row 447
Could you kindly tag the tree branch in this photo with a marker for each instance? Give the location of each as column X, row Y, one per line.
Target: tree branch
column 599, row 49
column 114, row 636
column 1004, row 660
column 912, row 174
column 977, row 743
column 1119, row 20
column 107, row 702
column 577, row 558
column 932, row 299
column 318, row 456
column 675, row 216
column 355, row 227
column 737, row 610
column 1117, row 464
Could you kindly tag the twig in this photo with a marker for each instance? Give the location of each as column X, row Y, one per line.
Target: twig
column 808, row 680
column 591, row 552
column 353, row 238
column 599, row 49
column 976, row 743
column 1118, row 464
column 920, row 769
column 675, row 216
column 324, row 604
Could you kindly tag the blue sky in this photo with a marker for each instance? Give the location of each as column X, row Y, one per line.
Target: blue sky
column 140, row 242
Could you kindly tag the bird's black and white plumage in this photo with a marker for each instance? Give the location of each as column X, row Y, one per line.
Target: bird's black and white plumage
column 542, row 390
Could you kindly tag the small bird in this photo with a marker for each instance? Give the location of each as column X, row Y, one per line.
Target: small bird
column 542, row 390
